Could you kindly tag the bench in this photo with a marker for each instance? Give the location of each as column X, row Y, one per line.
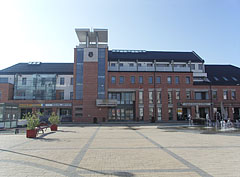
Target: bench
column 42, row 127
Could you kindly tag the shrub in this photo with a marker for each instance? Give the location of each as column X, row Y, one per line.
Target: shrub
column 54, row 119
column 32, row 121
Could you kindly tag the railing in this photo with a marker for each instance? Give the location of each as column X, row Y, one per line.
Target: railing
column 147, row 68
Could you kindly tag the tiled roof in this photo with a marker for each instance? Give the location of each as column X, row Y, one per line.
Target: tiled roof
column 223, row 74
column 161, row 56
column 46, row 68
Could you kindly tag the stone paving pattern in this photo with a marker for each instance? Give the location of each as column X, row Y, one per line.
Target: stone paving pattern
column 119, row 151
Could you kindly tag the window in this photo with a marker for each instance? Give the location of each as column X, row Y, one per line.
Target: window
column 214, row 94
column 61, row 95
column 216, row 79
column 43, row 80
column 201, row 95
column 177, row 80
column 158, row 80
column 225, row 94
column 170, row 114
column 234, row 78
column 140, row 79
column 113, row 79
column 150, row 113
column 225, row 78
column 187, row 80
column 141, row 113
column 169, row 97
column 140, row 97
column 71, row 95
column 150, row 79
column 200, row 66
column 24, row 81
column 193, row 66
column 188, row 95
column 62, row 81
column 149, row 65
column 169, row 79
column 177, row 95
column 233, row 95
column 3, row 80
column 121, row 64
column 159, row 97
column 121, row 79
column 132, row 79
column 71, row 82
column 150, row 97
column 131, row 65
column 159, row 113
column 139, row 64
column 113, row 64
column 0, row 95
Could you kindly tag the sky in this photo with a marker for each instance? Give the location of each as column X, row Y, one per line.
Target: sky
column 44, row 30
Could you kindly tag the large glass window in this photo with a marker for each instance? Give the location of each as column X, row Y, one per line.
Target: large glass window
column 141, row 113
column 121, row 79
column 169, row 97
column 132, row 79
column 159, row 113
column 170, row 114
column 150, row 97
column 150, row 113
column 159, row 97
column 62, row 80
column 71, row 82
column 201, row 95
column 140, row 93
column 24, row 81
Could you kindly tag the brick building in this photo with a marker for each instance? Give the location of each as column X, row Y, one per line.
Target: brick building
column 121, row 85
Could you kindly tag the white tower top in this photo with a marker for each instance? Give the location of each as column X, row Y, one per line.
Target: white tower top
column 92, row 38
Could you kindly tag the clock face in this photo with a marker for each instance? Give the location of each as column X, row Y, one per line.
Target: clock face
column 90, row 54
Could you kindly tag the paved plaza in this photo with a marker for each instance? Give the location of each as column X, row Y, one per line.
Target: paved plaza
column 119, row 150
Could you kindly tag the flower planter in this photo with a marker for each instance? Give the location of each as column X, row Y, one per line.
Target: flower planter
column 54, row 127
column 31, row 133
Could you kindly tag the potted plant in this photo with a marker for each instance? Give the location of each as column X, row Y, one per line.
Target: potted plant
column 32, row 122
column 54, row 120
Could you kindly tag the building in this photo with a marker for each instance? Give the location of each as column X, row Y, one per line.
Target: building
column 122, row 85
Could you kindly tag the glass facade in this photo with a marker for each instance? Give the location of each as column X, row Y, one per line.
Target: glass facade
column 79, row 74
column 101, row 73
column 31, row 87
column 125, row 110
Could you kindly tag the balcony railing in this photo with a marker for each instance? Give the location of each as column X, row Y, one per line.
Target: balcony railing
column 149, row 68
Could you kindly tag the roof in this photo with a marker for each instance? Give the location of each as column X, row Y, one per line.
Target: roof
column 44, row 68
column 223, row 74
column 161, row 56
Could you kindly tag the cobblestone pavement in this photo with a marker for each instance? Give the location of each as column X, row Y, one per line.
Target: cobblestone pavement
column 119, row 151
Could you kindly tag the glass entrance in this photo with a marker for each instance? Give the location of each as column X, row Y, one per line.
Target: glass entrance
column 121, row 114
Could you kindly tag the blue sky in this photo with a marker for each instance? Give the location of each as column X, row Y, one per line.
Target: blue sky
column 44, row 30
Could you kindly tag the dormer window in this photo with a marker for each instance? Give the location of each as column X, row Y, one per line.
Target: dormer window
column 225, row 78
column 200, row 66
column 234, row 78
column 113, row 64
column 121, row 64
column 216, row 79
